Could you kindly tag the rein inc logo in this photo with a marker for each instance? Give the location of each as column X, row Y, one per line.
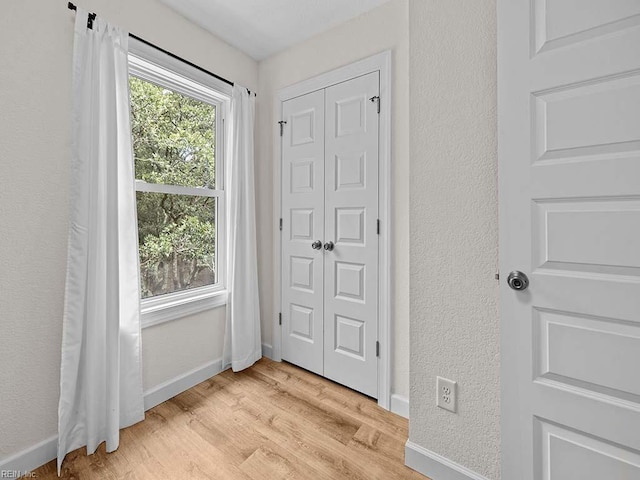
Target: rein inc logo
column 17, row 474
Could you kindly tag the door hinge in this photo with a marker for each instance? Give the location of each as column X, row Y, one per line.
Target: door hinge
column 377, row 348
column 280, row 319
column 378, row 227
column 282, row 124
column 280, row 224
column 377, row 100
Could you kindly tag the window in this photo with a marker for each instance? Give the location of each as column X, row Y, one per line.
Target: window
column 177, row 125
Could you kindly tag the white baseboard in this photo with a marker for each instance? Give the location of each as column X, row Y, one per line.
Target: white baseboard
column 37, row 455
column 30, row 458
column 400, row 405
column 435, row 466
column 169, row 389
column 267, row 351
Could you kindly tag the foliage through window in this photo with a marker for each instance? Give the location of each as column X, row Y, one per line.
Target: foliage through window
column 174, row 144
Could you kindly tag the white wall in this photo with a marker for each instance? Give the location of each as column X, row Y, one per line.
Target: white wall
column 454, row 318
column 35, row 101
column 383, row 28
column 173, row 348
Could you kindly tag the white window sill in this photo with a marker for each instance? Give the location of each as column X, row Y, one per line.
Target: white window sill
column 164, row 308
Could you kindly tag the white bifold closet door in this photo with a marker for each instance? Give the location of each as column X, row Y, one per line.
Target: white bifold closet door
column 330, row 196
column 303, row 224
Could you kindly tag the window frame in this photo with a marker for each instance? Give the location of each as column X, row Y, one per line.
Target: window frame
column 152, row 65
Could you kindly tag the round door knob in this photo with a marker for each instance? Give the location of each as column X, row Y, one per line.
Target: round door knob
column 328, row 246
column 518, row 280
column 317, row 245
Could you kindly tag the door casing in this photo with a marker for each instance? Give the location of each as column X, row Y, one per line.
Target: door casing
column 380, row 62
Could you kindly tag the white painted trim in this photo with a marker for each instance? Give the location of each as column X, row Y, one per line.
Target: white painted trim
column 385, row 288
column 400, row 405
column 142, row 186
column 276, row 353
column 31, row 458
column 154, row 65
column 169, row 389
column 380, row 62
column 338, row 75
column 164, row 308
column 435, row 466
column 37, row 455
column 267, row 351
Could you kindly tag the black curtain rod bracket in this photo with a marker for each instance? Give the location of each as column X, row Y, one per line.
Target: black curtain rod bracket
column 92, row 17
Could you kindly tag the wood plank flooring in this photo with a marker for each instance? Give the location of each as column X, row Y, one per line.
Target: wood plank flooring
column 271, row 421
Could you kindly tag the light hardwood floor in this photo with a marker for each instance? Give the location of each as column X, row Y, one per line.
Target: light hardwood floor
column 270, row 421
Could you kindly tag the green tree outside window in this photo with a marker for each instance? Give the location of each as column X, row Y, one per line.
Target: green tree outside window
column 174, row 144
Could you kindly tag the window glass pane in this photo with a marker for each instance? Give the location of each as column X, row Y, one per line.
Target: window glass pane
column 177, row 239
column 173, row 136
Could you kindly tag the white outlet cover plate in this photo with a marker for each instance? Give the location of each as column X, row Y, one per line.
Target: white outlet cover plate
column 446, row 394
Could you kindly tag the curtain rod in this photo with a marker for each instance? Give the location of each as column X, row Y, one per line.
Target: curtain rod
column 92, row 17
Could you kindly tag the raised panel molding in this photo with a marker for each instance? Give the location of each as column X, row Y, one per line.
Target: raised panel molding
column 349, row 336
column 594, row 354
column 301, row 224
column 560, row 23
column 350, row 225
column 302, row 176
column 303, row 127
column 301, row 322
column 566, row 454
column 587, row 235
column 599, row 117
column 302, row 273
column 349, row 281
column 350, row 171
column 350, row 116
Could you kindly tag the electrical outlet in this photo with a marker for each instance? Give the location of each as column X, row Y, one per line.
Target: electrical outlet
column 446, row 394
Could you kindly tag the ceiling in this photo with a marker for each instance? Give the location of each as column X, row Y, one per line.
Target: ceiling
column 261, row 28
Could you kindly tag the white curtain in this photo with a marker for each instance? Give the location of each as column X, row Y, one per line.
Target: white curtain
column 243, row 345
column 101, row 379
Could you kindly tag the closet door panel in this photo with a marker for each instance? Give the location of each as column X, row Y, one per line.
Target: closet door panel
column 303, row 224
column 350, row 223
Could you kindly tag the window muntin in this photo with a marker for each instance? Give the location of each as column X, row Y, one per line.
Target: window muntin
column 178, row 160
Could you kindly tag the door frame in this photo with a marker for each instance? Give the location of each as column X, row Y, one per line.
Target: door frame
column 380, row 62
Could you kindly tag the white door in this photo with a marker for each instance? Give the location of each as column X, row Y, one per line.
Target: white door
column 351, row 213
column 569, row 150
column 330, row 202
column 302, row 225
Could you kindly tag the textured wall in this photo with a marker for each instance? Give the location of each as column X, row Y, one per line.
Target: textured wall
column 454, row 243
column 380, row 29
column 35, row 103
